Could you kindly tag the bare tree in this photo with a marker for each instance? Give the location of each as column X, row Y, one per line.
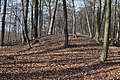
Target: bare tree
column 118, row 29
column 0, row 5
column 35, row 29
column 52, row 17
column 3, row 23
column 115, row 22
column 65, row 24
column 103, row 56
column 25, row 14
column 88, row 22
column 40, row 18
column 74, row 20
column 98, row 21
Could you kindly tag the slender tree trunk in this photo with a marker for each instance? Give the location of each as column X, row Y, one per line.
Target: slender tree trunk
column 74, row 20
column 15, row 26
column 93, row 19
column 40, row 18
column 3, row 23
column 0, row 5
column 52, row 17
column 25, row 4
column 103, row 15
column 9, row 40
column 98, row 21
column 103, row 56
column 49, row 4
column 65, row 23
column 35, row 29
column 118, row 10
column 115, row 23
column 32, row 25
column 88, row 22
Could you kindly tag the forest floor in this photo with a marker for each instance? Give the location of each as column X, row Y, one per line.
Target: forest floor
column 49, row 60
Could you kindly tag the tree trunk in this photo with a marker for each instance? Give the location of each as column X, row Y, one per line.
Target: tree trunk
column 115, row 23
column 52, row 17
column 103, row 56
column 40, row 18
column 35, row 29
column 65, row 24
column 32, row 25
column 93, row 19
column 74, row 20
column 25, row 4
column 49, row 5
column 88, row 22
column 118, row 10
column 98, row 21
column 9, row 40
column 3, row 23
column 0, row 5
column 15, row 25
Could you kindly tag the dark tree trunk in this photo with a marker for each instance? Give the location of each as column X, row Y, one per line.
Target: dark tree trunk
column 36, row 20
column 65, row 24
column 0, row 5
column 3, row 23
column 40, row 18
column 115, row 22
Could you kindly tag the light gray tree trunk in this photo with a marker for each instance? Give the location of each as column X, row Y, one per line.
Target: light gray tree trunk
column 74, row 20
column 52, row 17
column 88, row 22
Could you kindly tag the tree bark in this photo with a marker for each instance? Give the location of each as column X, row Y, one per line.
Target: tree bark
column 65, row 24
column 118, row 29
column 88, row 22
column 115, row 23
column 40, row 18
column 52, row 17
column 0, row 5
column 74, row 20
column 25, row 4
column 3, row 23
column 103, row 56
column 35, row 32
column 32, row 24
column 98, row 21
column 93, row 19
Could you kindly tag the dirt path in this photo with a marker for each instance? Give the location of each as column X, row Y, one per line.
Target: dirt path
column 48, row 60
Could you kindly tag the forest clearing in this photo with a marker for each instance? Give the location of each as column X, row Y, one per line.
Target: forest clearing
column 49, row 60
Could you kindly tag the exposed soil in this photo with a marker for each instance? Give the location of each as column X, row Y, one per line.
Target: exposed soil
column 49, row 60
